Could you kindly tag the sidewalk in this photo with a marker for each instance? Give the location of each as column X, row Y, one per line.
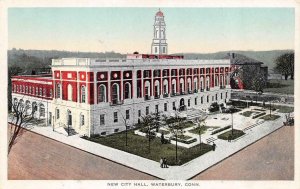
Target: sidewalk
column 224, row 149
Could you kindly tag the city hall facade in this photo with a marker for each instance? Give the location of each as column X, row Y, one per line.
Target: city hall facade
column 101, row 96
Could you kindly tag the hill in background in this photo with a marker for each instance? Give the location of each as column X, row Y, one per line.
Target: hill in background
column 28, row 59
column 267, row 57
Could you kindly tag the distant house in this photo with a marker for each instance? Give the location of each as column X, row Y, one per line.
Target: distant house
column 245, row 69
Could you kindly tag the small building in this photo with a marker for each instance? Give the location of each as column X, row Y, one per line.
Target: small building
column 244, row 70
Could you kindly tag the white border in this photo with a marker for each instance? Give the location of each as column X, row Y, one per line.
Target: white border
column 4, row 4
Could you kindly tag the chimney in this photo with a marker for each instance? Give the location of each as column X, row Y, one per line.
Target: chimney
column 231, row 55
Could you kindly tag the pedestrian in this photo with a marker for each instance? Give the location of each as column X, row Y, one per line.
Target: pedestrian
column 161, row 161
column 214, row 146
column 165, row 163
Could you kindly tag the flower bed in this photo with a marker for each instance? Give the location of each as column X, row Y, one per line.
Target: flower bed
column 236, row 134
column 258, row 115
column 220, row 130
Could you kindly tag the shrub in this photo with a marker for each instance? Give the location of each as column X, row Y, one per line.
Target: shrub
column 220, row 130
column 236, row 134
column 258, row 115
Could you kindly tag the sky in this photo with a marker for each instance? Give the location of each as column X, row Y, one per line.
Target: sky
column 125, row 30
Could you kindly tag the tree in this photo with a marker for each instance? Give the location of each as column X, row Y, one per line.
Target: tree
column 201, row 123
column 285, row 65
column 175, row 125
column 148, row 122
column 12, row 71
column 258, row 82
column 23, row 113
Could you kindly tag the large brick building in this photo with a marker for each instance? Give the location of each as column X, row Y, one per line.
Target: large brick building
column 96, row 96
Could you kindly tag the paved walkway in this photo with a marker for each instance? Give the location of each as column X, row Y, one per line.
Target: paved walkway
column 186, row 171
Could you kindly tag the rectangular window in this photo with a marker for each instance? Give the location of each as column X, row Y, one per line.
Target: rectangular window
column 139, row 113
column 201, row 99
column 207, row 98
column 216, row 96
column 50, row 118
column 189, row 102
column 57, row 113
column 102, row 119
column 196, row 101
column 165, row 107
column 81, row 120
column 174, row 105
column 226, row 94
column 156, row 108
column 115, row 117
column 127, row 114
column 147, row 110
column 221, row 95
column 41, row 92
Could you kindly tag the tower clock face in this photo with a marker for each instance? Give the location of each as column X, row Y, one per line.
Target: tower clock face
column 102, row 76
column 127, row 75
column 115, row 75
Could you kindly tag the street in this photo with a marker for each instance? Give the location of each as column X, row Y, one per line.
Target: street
column 37, row 157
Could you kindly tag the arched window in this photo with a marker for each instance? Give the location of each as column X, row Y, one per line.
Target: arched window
column 147, row 89
column 115, row 94
column 166, row 90
column 207, row 82
column 195, row 83
column 156, row 89
column 101, row 93
column 70, row 92
column 58, row 91
column 127, row 91
column 174, row 90
column 181, row 86
column 217, row 80
column 83, row 94
column 189, row 84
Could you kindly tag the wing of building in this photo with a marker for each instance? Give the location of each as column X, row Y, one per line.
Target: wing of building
column 98, row 96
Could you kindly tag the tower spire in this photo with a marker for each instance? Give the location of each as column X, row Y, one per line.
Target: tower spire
column 159, row 44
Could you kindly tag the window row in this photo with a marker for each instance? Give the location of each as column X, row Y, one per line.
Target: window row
column 180, row 72
column 165, row 107
column 37, row 91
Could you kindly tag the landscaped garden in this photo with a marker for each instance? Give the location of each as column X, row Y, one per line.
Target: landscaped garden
column 270, row 117
column 247, row 113
column 201, row 129
column 234, row 134
column 139, row 145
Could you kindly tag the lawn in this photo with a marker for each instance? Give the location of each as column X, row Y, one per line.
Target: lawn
column 138, row 145
column 236, row 134
column 202, row 130
column 247, row 113
column 280, row 86
column 187, row 124
column 270, row 118
column 284, row 109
